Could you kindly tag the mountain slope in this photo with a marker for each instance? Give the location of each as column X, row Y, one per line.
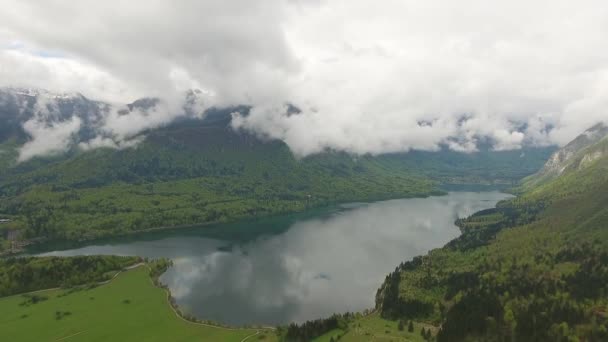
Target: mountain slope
column 199, row 170
column 533, row 269
column 578, row 154
column 192, row 172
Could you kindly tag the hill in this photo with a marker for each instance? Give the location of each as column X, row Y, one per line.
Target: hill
column 533, row 269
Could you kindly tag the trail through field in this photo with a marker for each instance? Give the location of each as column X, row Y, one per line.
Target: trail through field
column 250, row 336
column 66, row 337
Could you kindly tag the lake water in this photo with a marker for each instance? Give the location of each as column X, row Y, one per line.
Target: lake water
column 297, row 267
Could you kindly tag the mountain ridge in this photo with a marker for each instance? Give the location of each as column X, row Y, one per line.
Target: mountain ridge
column 579, row 153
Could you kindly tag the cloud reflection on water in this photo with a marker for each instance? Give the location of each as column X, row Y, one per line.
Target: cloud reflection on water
column 318, row 266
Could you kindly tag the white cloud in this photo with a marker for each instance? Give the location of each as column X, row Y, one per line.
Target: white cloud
column 372, row 73
column 227, row 46
column 369, row 77
column 101, row 142
column 47, row 139
column 22, row 68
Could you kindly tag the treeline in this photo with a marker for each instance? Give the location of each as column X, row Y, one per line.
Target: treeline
column 393, row 305
column 310, row 330
column 19, row 275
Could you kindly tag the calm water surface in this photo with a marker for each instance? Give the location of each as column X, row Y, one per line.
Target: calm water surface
column 297, row 267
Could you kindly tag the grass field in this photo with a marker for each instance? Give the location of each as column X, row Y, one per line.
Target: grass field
column 374, row 328
column 129, row 308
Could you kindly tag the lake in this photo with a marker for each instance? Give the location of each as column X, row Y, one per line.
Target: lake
column 298, row 267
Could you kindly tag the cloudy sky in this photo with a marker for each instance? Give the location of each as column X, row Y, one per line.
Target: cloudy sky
column 369, row 76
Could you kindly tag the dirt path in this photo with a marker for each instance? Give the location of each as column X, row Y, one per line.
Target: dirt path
column 119, row 272
column 250, row 336
column 66, row 337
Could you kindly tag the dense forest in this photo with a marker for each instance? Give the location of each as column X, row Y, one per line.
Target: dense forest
column 26, row 274
column 532, row 269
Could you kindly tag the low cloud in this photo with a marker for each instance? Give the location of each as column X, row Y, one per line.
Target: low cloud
column 23, row 68
column 101, row 142
column 58, row 122
column 48, row 139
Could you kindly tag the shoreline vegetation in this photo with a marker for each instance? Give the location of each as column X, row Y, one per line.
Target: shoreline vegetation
column 25, row 244
column 22, row 237
column 441, row 190
column 28, row 274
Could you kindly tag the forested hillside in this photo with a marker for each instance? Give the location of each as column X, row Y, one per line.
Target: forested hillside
column 533, row 269
column 20, row 275
column 189, row 173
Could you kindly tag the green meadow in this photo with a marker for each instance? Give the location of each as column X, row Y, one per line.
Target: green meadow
column 129, row 308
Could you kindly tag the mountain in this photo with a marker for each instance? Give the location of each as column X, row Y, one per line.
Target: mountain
column 532, row 269
column 199, row 170
column 579, row 153
column 18, row 105
column 503, row 169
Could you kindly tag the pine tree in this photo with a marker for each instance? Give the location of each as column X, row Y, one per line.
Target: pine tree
column 423, row 333
column 410, row 327
column 401, row 325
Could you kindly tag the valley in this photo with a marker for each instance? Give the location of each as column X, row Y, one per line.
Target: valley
column 303, row 171
column 241, row 213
